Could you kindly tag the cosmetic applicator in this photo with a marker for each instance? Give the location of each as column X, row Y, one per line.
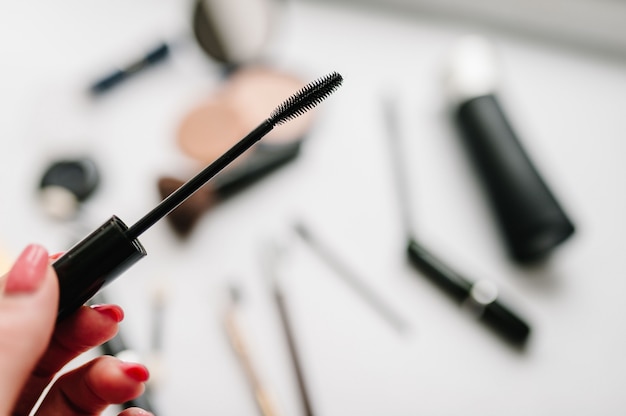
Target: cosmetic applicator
column 114, row 247
column 351, row 278
column 241, row 346
column 230, row 182
column 247, row 95
column 154, row 56
column 272, row 255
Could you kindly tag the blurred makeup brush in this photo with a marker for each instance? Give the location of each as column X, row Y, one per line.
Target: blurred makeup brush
column 264, row 160
column 351, row 278
column 272, row 255
column 184, row 218
column 242, row 350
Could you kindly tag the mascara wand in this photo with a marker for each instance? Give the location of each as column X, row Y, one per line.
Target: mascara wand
column 114, row 247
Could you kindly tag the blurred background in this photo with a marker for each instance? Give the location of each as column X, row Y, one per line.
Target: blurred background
column 562, row 67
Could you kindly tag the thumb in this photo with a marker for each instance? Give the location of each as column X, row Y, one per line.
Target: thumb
column 28, row 309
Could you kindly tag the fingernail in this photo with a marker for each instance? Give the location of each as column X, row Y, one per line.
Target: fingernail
column 135, row 371
column 55, row 256
column 136, row 411
column 112, row 311
column 28, row 271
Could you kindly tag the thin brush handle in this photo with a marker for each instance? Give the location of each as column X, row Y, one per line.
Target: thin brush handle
column 238, row 344
column 308, row 97
column 185, row 191
column 353, row 281
column 390, row 113
column 293, row 350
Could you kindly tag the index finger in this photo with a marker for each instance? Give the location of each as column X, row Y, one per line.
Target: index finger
column 86, row 328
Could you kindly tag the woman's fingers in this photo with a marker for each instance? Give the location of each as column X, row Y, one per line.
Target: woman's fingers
column 81, row 331
column 28, row 308
column 91, row 388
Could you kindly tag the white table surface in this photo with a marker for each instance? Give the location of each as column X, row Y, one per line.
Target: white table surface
column 567, row 106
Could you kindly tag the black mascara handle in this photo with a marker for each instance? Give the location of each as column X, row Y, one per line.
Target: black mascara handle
column 531, row 218
column 480, row 297
column 438, row 272
column 94, row 262
column 505, row 322
column 117, row 76
column 265, row 160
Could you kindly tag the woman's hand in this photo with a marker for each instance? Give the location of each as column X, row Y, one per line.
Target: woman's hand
column 33, row 350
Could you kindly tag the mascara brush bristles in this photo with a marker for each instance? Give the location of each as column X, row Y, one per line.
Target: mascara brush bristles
column 308, row 97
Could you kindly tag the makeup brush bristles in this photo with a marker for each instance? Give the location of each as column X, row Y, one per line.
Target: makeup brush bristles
column 308, row 97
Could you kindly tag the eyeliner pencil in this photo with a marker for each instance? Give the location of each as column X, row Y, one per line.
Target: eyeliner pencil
column 288, row 330
column 279, row 298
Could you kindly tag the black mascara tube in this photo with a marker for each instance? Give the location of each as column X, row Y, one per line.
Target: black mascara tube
column 531, row 219
column 94, row 262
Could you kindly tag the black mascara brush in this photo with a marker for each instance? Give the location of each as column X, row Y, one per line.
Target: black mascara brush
column 112, row 248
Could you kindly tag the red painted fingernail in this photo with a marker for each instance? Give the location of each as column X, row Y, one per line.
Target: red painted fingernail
column 135, row 411
column 28, row 271
column 112, row 311
column 56, row 255
column 135, row 371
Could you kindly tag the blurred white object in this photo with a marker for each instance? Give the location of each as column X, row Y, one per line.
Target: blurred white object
column 592, row 24
column 473, row 69
column 236, row 31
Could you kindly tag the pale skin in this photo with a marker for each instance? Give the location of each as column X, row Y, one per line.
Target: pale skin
column 33, row 349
